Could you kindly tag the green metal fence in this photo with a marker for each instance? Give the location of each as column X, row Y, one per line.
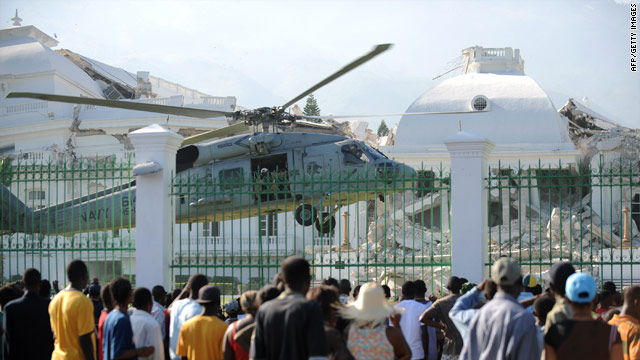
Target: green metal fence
column 237, row 230
column 571, row 213
column 64, row 209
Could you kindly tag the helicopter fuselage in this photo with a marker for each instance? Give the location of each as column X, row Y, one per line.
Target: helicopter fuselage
column 233, row 178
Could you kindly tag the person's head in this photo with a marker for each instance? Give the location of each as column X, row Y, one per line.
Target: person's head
column 268, row 293
column 541, row 308
column 232, row 308
column 421, row 289
column 605, row 300
column 490, row 290
column 175, row 293
column 142, row 299
column 327, row 297
column 370, row 309
column 9, row 293
column 558, row 275
column 94, row 291
column 356, row 292
column 196, row 282
column 78, row 274
column 121, row 292
column 105, row 296
column 296, row 274
column 580, row 289
column 408, row 290
column 454, row 285
column 249, row 302
column 529, row 283
column 278, row 281
column 331, row 282
column 506, row 274
column 45, row 289
column 609, row 286
column 159, row 294
column 31, row 278
column 209, row 298
column 345, row 287
column 387, row 291
column 618, row 299
column 537, row 290
column 631, row 304
column 95, row 281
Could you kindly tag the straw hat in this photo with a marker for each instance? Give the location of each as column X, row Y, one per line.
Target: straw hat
column 371, row 308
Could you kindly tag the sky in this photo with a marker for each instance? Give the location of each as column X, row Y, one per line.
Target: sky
column 267, row 52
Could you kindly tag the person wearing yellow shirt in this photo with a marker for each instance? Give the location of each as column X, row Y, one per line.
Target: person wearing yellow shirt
column 72, row 319
column 201, row 336
column 628, row 323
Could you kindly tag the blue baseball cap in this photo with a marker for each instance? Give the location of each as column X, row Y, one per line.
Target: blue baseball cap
column 580, row 288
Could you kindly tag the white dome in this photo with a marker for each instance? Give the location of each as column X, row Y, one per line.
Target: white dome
column 519, row 116
column 26, row 55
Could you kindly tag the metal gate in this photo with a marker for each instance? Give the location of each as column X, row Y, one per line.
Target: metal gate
column 584, row 214
column 240, row 247
column 58, row 210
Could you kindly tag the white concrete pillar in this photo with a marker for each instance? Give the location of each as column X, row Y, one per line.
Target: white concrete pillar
column 444, row 210
column 155, row 214
column 469, row 204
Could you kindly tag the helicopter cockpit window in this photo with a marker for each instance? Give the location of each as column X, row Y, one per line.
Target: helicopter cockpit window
column 352, row 154
column 231, row 178
column 375, row 154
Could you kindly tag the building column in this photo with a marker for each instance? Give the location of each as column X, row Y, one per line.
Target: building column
column 469, row 204
column 156, row 149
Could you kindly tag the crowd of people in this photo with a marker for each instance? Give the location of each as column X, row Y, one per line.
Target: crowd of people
column 509, row 316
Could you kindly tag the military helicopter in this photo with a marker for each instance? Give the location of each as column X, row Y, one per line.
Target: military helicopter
column 231, row 163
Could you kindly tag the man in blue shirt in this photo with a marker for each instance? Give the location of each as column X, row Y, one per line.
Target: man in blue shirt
column 465, row 307
column 117, row 340
column 502, row 329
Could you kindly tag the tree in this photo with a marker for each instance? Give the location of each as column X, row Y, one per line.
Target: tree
column 383, row 129
column 311, row 108
column 5, row 171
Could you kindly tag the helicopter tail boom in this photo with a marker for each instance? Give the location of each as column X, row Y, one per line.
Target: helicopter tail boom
column 14, row 214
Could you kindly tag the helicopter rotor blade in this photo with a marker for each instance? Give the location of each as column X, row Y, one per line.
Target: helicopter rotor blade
column 354, row 64
column 129, row 105
column 217, row 133
column 380, row 115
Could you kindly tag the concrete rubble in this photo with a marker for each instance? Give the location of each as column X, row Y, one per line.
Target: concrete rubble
column 576, row 231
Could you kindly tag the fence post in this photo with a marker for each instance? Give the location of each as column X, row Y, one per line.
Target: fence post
column 155, row 215
column 469, row 204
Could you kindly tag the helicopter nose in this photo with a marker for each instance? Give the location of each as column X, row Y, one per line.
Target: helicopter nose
column 392, row 169
column 406, row 170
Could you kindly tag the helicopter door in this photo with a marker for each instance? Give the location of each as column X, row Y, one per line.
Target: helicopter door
column 271, row 176
column 232, row 180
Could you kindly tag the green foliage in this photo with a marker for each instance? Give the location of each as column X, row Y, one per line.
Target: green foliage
column 5, row 176
column 311, row 108
column 383, row 129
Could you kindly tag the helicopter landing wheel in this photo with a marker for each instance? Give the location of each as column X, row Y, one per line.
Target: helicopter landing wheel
column 325, row 227
column 305, row 214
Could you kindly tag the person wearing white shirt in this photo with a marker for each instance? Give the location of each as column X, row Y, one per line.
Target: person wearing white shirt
column 183, row 309
column 146, row 331
column 428, row 332
column 409, row 321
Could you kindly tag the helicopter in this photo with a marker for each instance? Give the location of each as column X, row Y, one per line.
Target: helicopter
column 234, row 157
